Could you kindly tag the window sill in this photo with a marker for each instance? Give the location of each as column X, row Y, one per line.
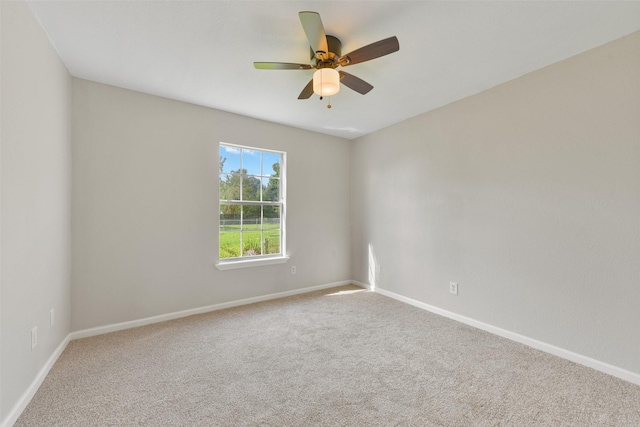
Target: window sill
column 245, row 263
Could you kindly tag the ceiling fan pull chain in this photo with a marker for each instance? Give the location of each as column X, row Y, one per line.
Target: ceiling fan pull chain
column 329, row 104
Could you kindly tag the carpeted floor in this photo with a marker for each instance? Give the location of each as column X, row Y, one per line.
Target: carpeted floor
column 341, row 357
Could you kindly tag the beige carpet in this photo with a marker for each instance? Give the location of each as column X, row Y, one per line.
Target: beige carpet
column 341, row 357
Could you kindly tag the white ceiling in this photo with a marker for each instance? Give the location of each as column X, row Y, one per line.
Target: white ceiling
column 202, row 52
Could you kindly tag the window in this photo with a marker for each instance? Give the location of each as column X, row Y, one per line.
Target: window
column 252, row 203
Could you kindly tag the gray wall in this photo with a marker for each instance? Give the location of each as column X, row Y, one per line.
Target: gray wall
column 145, row 210
column 35, row 199
column 527, row 194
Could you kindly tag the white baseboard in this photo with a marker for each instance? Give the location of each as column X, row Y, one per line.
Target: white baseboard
column 184, row 313
column 615, row 371
column 363, row 285
column 26, row 397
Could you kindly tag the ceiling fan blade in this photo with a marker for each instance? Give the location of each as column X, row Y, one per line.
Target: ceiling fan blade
column 355, row 83
column 307, row 91
column 280, row 66
column 371, row 51
column 313, row 28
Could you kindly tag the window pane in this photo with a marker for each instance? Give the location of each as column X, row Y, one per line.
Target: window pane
column 230, row 236
column 270, row 189
column 250, row 188
column 229, row 245
column 251, row 243
column 251, row 218
column 230, row 217
column 271, row 219
column 230, row 186
column 270, row 164
column 251, row 161
column 271, row 240
column 229, row 159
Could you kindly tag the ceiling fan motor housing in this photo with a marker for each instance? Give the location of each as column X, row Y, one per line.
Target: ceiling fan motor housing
column 330, row 59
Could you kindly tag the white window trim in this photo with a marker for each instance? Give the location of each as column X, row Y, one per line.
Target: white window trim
column 236, row 263
column 245, row 263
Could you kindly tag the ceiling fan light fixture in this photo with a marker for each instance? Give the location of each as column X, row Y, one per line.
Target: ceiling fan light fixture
column 326, row 82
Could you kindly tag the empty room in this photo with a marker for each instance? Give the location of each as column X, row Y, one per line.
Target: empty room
column 319, row 213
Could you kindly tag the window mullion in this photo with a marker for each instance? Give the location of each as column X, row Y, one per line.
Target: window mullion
column 240, row 179
column 260, row 177
column 262, row 248
column 241, row 230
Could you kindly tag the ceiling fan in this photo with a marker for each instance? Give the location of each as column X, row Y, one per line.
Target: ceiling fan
column 326, row 56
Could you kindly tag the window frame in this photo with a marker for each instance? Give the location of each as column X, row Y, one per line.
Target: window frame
column 262, row 259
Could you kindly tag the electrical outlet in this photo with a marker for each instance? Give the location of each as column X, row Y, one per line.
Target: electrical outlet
column 34, row 337
column 453, row 288
column 293, row 269
column 51, row 317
